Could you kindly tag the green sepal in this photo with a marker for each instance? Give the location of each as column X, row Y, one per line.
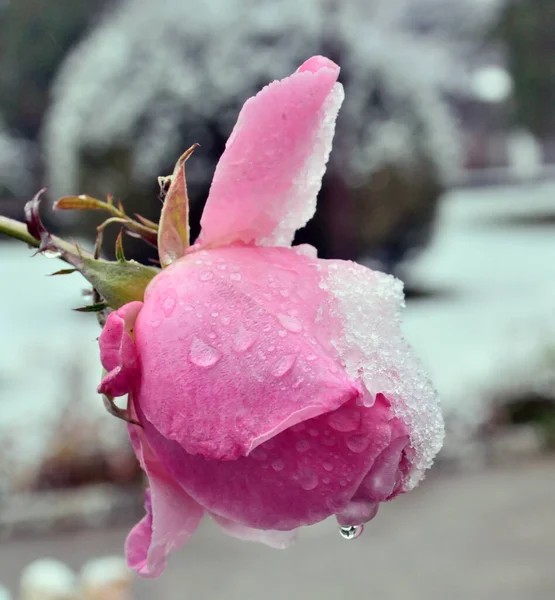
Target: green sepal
column 63, row 272
column 173, row 229
column 117, row 282
column 98, row 307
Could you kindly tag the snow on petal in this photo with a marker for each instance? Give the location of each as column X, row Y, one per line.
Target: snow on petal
column 172, row 516
column 267, row 180
column 118, row 353
column 380, row 354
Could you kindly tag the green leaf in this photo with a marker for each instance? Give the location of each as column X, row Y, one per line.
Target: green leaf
column 173, row 230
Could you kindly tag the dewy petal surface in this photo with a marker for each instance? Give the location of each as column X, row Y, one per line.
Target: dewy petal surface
column 267, row 180
column 231, row 353
column 301, row 476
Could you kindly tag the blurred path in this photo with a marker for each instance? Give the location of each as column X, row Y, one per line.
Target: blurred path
column 485, row 535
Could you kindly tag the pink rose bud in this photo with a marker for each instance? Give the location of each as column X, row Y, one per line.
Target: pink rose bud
column 274, row 389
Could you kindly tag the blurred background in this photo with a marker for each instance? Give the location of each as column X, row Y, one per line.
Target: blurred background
column 442, row 173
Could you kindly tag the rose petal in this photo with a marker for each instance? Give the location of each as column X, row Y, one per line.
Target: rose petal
column 381, row 480
column 118, row 353
column 232, row 337
column 378, row 352
column 172, row 515
column 272, row 538
column 358, row 512
column 267, row 180
column 300, row 477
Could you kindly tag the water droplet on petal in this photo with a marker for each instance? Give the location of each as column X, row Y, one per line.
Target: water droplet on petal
column 345, row 419
column 203, row 355
column 284, row 365
column 284, row 293
column 290, row 323
column 155, row 323
column 302, row 446
column 206, row 275
column 235, row 276
column 311, row 357
column 278, row 465
column 168, row 306
column 328, row 467
column 357, row 443
column 351, row 532
column 225, row 319
column 308, row 480
column 282, row 333
column 244, row 340
column 329, row 441
column 298, row 382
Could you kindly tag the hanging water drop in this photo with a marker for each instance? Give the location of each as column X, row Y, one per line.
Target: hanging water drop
column 351, row 532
